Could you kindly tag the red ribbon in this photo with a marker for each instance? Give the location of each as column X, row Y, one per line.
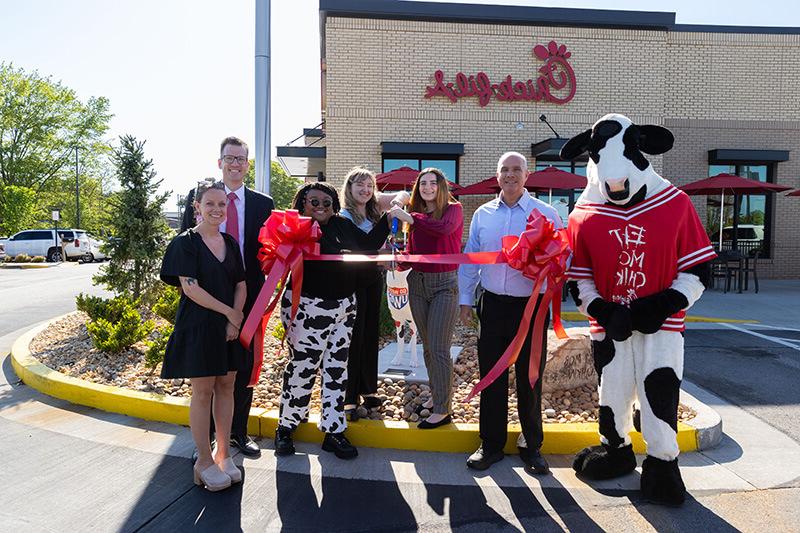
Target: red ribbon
column 285, row 238
column 539, row 253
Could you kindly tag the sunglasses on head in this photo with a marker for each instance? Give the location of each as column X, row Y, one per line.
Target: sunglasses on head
column 315, row 203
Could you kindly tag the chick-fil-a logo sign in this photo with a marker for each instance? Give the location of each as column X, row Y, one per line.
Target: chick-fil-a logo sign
column 555, row 84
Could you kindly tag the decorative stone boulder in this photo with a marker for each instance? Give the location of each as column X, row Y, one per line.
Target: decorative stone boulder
column 569, row 361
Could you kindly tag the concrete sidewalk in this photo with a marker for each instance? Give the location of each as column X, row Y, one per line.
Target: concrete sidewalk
column 68, row 467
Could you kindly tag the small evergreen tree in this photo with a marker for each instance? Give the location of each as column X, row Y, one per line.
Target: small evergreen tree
column 140, row 231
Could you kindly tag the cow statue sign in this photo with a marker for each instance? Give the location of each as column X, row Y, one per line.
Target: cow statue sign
column 641, row 259
column 397, row 299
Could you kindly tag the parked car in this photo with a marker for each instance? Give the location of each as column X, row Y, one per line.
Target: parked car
column 96, row 249
column 44, row 242
column 749, row 238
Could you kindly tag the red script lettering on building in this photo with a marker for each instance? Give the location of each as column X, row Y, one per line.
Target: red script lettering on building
column 555, row 84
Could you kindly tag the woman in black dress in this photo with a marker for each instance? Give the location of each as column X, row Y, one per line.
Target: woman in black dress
column 207, row 266
column 321, row 332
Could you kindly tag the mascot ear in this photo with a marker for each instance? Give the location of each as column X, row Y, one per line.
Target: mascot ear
column 576, row 146
column 655, row 140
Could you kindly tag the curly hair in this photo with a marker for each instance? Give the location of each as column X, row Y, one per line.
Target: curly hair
column 299, row 200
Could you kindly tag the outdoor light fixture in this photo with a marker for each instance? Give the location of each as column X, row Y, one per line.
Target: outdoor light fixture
column 543, row 118
column 520, row 125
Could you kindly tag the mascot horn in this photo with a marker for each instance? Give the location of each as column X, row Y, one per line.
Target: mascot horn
column 641, row 259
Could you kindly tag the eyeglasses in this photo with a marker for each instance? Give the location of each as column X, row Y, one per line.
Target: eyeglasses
column 315, row 203
column 231, row 158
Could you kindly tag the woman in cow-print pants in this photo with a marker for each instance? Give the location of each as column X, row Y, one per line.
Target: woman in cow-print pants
column 319, row 336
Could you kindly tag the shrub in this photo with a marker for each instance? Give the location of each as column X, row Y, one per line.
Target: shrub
column 113, row 337
column 8, row 259
column 97, row 307
column 38, row 259
column 279, row 332
column 167, row 304
column 157, row 347
column 22, row 258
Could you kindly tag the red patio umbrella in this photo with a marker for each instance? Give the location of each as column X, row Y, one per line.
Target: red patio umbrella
column 487, row 186
column 553, row 178
column 403, row 178
column 730, row 184
column 540, row 181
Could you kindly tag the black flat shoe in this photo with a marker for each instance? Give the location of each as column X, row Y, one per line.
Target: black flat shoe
column 339, row 445
column 371, row 402
column 418, row 409
column 431, row 425
column 246, row 445
column 481, row 460
column 283, row 442
column 534, row 460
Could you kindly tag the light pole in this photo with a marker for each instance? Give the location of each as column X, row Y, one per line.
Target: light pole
column 77, row 193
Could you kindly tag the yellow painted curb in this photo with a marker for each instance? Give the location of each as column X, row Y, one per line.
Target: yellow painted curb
column 25, row 266
column 458, row 438
column 575, row 316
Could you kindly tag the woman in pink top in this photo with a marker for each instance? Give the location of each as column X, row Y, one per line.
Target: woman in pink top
column 436, row 221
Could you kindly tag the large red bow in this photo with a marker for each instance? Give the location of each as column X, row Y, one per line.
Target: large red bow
column 540, row 253
column 284, row 238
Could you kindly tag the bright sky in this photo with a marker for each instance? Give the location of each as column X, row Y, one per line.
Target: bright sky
column 180, row 73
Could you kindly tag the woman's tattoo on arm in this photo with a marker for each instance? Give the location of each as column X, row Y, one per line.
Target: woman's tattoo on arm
column 191, row 281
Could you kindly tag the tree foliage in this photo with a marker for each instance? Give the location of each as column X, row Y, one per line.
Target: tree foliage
column 41, row 124
column 139, row 228
column 282, row 186
column 17, row 209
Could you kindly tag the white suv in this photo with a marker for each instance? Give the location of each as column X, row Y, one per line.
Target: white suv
column 43, row 242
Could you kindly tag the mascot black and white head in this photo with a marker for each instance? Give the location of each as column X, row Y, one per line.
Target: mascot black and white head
column 618, row 172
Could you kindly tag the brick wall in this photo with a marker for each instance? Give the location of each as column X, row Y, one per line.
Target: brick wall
column 712, row 90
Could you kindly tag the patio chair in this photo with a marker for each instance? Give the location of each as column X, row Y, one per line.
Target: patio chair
column 750, row 264
column 727, row 266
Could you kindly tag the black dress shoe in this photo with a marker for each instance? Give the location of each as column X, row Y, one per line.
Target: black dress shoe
column 481, row 460
column 339, row 445
column 246, row 445
column 283, row 442
column 431, row 425
column 534, row 460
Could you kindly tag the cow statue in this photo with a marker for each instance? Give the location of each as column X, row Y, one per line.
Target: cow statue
column 397, row 298
column 641, row 258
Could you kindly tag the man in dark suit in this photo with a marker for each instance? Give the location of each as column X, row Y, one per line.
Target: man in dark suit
column 247, row 211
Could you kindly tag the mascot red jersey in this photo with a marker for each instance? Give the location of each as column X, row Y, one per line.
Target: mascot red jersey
column 641, row 258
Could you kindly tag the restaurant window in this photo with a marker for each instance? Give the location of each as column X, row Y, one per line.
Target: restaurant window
column 754, row 227
column 563, row 200
column 447, row 164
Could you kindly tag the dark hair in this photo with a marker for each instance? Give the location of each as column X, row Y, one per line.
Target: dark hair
column 207, row 185
column 300, row 197
column 235, row 141
column 443, row 196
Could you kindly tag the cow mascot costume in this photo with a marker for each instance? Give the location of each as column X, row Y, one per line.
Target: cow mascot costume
column 641, row 258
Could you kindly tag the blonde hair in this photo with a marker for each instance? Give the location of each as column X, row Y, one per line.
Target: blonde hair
column 357, row 175
column 443, row 196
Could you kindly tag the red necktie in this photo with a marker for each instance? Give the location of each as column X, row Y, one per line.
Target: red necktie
column 232, row 221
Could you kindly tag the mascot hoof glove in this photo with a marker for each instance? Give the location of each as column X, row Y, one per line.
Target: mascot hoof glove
column 661, row 482
column 604, row 462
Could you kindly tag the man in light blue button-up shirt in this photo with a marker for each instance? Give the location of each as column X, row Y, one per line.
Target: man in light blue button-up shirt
column 500, row 313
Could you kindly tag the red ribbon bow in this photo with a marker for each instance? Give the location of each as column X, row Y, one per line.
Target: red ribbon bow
column 541, row 254
column 284, row 238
